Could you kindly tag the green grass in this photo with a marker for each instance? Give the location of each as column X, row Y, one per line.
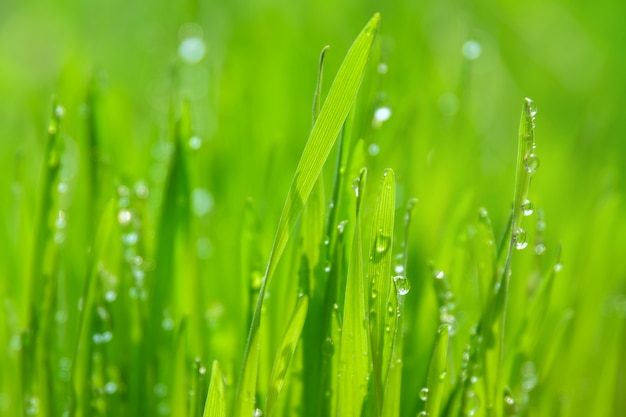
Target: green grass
column 165, row 253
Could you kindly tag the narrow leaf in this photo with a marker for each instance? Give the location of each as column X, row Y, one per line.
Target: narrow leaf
column 215, row 405
column 379, row 274
column 353, row 354
column 437, row 373
column 285, row 352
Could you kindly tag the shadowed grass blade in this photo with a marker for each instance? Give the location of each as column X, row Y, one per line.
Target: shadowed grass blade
column 379, row 276
column 285, row 353
column 353, row 353
column 215, row 401
column 319, row 144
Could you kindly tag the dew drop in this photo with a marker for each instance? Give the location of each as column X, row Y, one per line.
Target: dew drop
column 192, row 50
column 167, row 323
column 195, row 143
column 202, row 201
column 62, row 187
column 59, row 111
column 519, row 238
column 424, row 394
column 472, row 50
column 327, row 267
column 110, row 387
column 110, row 296
column 356, row 184
column 52, row 129
column 382, row 242
column 382, row 114
column 130, row 239
column 141, row 190
column 383, row 68
column 257, row 413
column 402, row 284
column 531, row 162
column 540, row 248
column 341, row 227
column 124, row 217
column 373, row 149
column 532, row 107
column 202, row 370
column 527, row 208
column 558, row 267
column 423, row 414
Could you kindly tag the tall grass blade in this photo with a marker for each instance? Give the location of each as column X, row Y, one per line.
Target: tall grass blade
column 393, row 384
column 285, row 353
column 379, row 276
column 354, row 350
column 215, row 401
column 325, row 131
column 437, row 373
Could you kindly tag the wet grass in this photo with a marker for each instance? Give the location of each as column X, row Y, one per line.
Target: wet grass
column 165, row 253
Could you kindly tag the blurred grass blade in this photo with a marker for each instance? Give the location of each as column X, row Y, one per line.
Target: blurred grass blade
column 81, row 371
column 340, row 99
column 353, row 353
column 285, row 352
column 437, row 373
column 379, row 274
column 215, row 401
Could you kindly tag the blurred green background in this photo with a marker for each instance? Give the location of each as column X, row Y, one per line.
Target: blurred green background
column 453, row 74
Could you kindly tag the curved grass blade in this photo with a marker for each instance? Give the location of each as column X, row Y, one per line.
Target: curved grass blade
column 215, row 405
column 353, row 353
column 378, row 272
column 341, row 97
column 285, row 352
column 437, row 373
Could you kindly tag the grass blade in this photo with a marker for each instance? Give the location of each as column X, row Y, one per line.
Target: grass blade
column 353, row 353
column 378, row 273
column 323, row 135
column 215, row 405
column 285, row 352
column 393, row 384
column 436, row 373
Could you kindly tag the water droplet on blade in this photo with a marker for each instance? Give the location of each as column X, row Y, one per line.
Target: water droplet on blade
column 402, row 284
column 424, row 394
column 527, row 208
column 531, row 162
column 519, row 238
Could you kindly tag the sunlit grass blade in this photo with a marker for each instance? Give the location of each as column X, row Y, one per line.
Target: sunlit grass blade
column 353, row 351
column 215, row 405
column 433, row 393
column 379, row 275
column 338, row 103
column 493, row 321
column 393, row 384
column 285, row 353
